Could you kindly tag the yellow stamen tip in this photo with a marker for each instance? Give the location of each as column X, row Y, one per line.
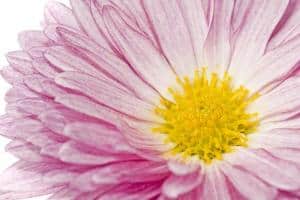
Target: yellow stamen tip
column 207, row 117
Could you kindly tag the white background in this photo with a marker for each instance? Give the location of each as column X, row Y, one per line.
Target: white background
column 15, row 16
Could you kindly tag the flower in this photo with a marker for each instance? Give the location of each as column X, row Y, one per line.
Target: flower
column 154, row 99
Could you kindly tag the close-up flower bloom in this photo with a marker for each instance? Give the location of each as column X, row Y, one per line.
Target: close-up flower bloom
column 156, row 99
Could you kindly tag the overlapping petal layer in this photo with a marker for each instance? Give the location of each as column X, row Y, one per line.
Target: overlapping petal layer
column 80, row 109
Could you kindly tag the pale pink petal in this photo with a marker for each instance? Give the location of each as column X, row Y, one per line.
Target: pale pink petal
column 19, row 92
column 275, row 138
column 27, row 125
column 85, row 19
column 131, row 171
column 140, row 53
column 143, row 140
column 20, row 61
column 267, row 168
column 134, row 9
column 34, row 82
column 107, row 94
column 43, row 67
column 239, row 15
column 54, row 120
column 26, row 151
column 281, row 100
column 289, row 28
column 195, row 19
column 172, row 33
column 58, row 13
column 67, row 60
column 274, row 65
column 26, row 178
column 73, row 153
column 66, row 193
column 217, row 47
column 60, row 176
column 80, row 113
column 175, row 186
column 253, row 36
column 289, row 154
column 104, row 137
column 85, row 183
column 132, row 191
column 10, row 75
column 34, row 106
column 97, row 13
column 180, row 168
column 88, row 107
column 247, row 184
column 37, row 52
column 30, row 39
column 109, row 63
column 288, row 123
column 214, row 185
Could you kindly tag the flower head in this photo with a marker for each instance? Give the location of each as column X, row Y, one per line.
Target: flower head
column 155, row 99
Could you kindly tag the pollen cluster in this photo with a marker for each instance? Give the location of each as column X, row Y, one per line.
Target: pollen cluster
column 207, row 116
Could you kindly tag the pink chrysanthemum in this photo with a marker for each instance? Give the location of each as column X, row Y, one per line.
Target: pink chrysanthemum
column 156, row 99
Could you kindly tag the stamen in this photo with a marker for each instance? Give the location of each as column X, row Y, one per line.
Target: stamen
column 207, row 118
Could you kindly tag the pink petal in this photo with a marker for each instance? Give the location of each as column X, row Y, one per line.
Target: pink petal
column 286, row 196
column 30, row 39
column 26, row 178
column 73, row 153
column 130, row 172
column 195, row 19
column 180, row 168
column 34, row 82
column 134, row 9
column 34, row 106
column 20, row 61
column 85, row 183
column 107, row 94
column 58, row 13
column 140, row 53
column 60, row 176
column 132, row 191
column 275, row 138
column 19, row 92
column 85, row 106
column 54, row 120
column 27, row 125
column 289, row 29
column 109, row 63
column 143, row 140
column 85, row 19
column 44, row 68
column 175, row 186
column 276, row 172
column 275, row 65
column 26, row 151
column 66, row 193
column 172, row 34
column 217, row 47
column 247, row 184
column 67, row 60
column 214, row 185
column 99, row 136
column 10, row 75
column 253, row 36
column 288, row 154
column 46, row 138
column 281, row 100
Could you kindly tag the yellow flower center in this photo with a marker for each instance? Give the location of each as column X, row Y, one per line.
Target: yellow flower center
column 207, row 117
